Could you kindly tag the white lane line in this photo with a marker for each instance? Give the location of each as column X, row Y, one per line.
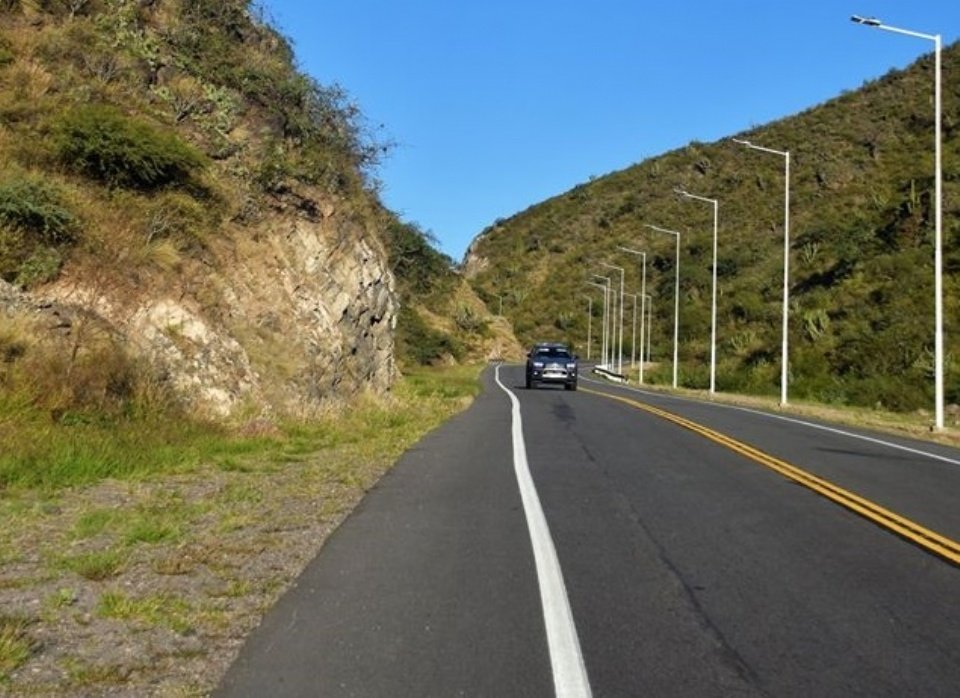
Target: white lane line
column 569, row 671
column 794, row 420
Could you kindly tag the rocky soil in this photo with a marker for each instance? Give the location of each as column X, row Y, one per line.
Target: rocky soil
column 149, row 588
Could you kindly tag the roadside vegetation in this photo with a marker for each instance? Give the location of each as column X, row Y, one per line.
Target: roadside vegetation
column 137, row 554
column 441, row 320
column 861, row 278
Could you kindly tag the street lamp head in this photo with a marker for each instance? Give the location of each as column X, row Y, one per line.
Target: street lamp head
column 866, row 21
column 742, row 142
column 680, row 191
column 662, row 230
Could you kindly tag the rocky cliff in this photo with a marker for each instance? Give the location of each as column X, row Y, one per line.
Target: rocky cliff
column 290, row 314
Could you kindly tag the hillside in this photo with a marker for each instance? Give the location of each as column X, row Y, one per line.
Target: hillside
column 861, row 286
column 186, row 219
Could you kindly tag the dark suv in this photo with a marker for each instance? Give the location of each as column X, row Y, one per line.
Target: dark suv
column 549, row 362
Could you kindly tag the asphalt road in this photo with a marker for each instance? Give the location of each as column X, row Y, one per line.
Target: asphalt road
column 688, row 568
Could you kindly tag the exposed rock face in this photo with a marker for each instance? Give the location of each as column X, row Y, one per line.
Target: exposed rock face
column 473, row 261
column 291, row 314
column 319, row 297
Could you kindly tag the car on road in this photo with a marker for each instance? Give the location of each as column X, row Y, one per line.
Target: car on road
column 551, row 362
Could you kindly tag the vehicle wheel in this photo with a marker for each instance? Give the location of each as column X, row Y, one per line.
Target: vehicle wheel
column 529, row 383
column 570, row 386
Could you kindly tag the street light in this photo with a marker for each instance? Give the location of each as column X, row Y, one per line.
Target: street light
column 938, row 208
column 676, row 299
column 649, row 299
column 643, row 300
column 713, row 304
column 603, row 327
column 785, row 154
column 589, row 322
column 606, row 321
column 633, row 336
column 620, row 351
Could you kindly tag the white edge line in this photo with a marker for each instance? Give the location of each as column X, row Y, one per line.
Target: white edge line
column 793, row 420
column 569, row 671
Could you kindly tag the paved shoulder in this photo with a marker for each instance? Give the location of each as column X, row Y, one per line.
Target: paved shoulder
column 428, row 588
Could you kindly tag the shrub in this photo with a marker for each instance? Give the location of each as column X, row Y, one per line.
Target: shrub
column 418, row 343
column 39, row 267
column 177, row 217
column 123, row 151
column 469, row 320
column 35, row 207
column 34, row 225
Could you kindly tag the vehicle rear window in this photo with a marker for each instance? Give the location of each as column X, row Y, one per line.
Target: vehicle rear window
column 553, row 354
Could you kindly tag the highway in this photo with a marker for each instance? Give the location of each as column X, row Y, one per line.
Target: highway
column 623, row 543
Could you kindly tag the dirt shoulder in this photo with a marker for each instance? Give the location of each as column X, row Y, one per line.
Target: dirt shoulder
column 166, row 618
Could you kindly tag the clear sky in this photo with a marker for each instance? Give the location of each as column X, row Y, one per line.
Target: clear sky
column 495, row 105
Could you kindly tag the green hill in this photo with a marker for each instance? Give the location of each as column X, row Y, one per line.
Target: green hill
column 861, row 286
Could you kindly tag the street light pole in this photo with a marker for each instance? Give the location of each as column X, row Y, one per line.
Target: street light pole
column 649, row 298
column 643, row 300
column 606, row 321
column 500, row 312
column 713, row 304
column 676, row 299
column 938, row 207
column 620, row 350
column 633, row 336
column 603, row 316
column 589, row 323
column 785, row 154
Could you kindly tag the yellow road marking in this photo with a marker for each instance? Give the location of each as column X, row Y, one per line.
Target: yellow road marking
column 924, row 537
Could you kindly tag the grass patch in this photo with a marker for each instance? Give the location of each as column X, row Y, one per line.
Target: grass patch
column 82, row 673
column 153, row 529
column 52, row 456
column 453, row 382
column 160, row 610
column 93, row 523
column 60, row 599
column 15, row 645
column 97, row 565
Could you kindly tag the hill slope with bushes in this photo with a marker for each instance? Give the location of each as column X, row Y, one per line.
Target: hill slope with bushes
column 861, row 278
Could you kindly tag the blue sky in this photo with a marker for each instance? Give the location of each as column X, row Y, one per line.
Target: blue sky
column 497, row 105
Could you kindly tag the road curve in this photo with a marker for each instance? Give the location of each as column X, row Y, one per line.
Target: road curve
column 689, row 569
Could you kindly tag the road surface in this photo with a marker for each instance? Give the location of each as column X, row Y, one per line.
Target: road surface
column 667, row 559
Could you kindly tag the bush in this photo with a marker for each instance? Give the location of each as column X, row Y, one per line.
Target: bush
column 34, row 225
column 418, row 343
column 178, row 217
column 42, row 265
column 122, row 151
column 469, row 320
column 32, row 206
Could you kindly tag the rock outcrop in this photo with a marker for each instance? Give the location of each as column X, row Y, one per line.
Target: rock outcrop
column 291, row 313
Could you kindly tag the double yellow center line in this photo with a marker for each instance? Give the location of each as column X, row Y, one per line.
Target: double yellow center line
column 912, row 531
